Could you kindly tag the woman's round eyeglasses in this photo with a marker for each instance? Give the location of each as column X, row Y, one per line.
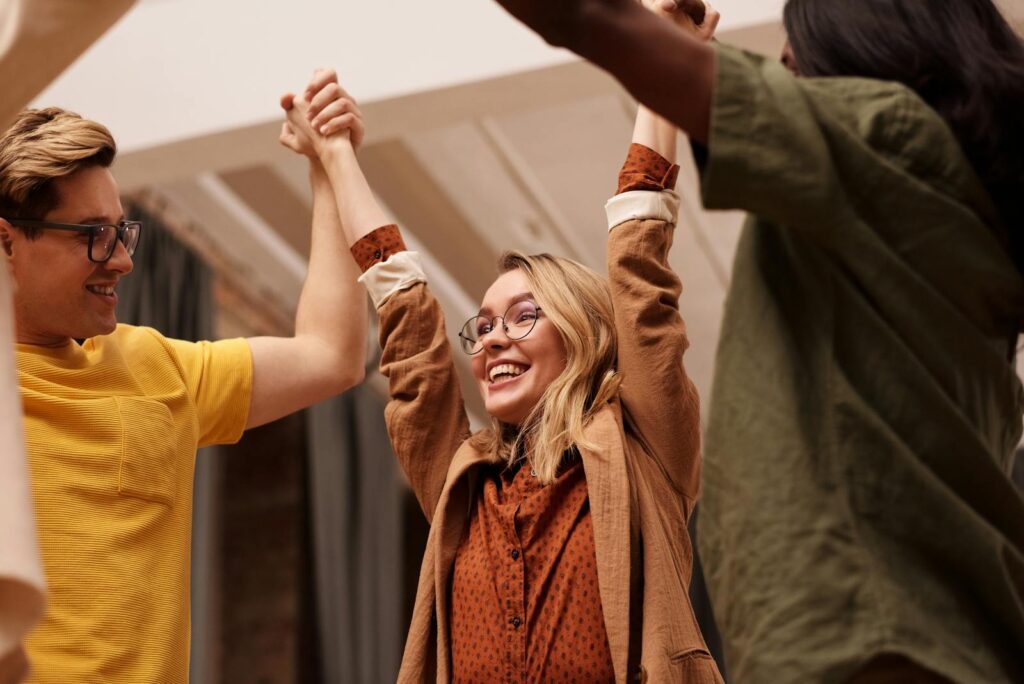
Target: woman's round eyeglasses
column 103, row 237
column 516, row 323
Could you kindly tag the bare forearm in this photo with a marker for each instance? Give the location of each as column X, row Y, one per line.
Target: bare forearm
column 332, row 306
column 657, row 133
column 359, row 211
column 327, row 355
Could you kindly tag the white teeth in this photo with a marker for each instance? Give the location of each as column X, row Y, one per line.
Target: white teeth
column 101, row 289
column 506, row 369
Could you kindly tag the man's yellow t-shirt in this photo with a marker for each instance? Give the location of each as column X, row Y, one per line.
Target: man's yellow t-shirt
column 112, row 428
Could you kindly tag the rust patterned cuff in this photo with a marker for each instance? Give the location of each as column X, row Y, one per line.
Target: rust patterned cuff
column 377, row 246
column 645, row 169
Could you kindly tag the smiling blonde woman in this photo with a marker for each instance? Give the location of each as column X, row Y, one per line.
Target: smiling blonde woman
column 558, row 548
column 559, row 405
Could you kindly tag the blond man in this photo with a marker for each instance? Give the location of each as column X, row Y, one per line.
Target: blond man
column 114, row 413
column 38, row 39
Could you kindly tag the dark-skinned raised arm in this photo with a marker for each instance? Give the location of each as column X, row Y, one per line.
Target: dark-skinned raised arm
column 664, row 67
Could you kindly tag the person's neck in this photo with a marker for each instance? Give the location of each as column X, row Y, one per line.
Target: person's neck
column 50, row 341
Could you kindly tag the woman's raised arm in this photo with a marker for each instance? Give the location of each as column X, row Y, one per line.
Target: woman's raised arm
column 425, row 415
column 659, row 398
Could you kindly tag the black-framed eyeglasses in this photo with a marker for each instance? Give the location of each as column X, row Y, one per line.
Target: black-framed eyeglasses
column 103, row 237
column 517, row 323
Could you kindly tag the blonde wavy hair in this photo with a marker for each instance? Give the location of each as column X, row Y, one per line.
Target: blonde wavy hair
column 41, row 146
column 578, row 303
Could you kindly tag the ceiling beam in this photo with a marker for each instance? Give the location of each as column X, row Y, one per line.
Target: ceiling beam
column 423, row 206
column 521, row 173
column 271, row 196
column 388, row 119
column 250, row 310
column 238, row 242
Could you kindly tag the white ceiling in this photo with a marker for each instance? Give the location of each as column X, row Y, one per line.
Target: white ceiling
column 194, row 66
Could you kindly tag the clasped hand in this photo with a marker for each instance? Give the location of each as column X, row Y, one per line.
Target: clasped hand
column 695, row 16
column 323, row 115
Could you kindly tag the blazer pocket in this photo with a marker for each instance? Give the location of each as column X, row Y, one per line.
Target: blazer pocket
column 694, row 666
column 147, row 468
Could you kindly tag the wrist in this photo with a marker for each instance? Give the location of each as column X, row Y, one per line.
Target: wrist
column 657, row 133
column 317, row 172
column 335, row 148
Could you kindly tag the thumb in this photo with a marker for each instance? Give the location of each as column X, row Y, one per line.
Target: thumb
column 287, row 137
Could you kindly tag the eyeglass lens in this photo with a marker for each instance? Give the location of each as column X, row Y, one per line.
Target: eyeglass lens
column 518, row 322
column 104, row 240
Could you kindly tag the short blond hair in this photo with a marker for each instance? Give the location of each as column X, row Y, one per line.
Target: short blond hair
column 43, row 145
column 578, row 302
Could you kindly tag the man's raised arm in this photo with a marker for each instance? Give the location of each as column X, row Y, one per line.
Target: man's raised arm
column 328, row 352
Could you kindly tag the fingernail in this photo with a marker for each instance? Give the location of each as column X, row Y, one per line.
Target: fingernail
column 323, row 130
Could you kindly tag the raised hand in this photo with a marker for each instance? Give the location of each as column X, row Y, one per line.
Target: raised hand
column 298, row 137
column 332, row 109
column 324, row 113
column 696, row 16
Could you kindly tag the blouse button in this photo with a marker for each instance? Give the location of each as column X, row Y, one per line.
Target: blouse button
column 378, row 254
column 515, row 554
column 516, row 622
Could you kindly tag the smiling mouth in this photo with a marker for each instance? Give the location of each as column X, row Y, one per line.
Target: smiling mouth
column 105, row 291
column 505, row 372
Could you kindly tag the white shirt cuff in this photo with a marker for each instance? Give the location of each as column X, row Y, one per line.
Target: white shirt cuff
column 642, row 204
column 400, row 272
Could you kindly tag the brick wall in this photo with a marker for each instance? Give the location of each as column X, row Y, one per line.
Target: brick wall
column 267, row 617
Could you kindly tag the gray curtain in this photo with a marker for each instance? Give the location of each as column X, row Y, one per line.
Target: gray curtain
column 170, row 290
column 360, row 539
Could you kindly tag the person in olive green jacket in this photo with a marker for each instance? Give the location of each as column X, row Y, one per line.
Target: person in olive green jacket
column 858, row 519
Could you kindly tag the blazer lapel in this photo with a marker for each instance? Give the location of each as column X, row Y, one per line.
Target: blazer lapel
column 608, row 489
column 452, row 516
